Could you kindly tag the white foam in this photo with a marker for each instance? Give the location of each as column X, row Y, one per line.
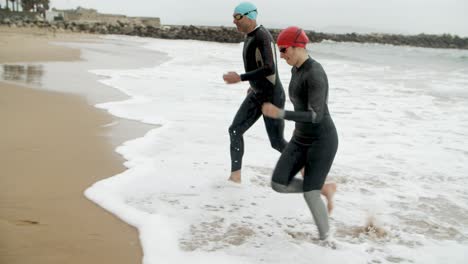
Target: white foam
column 402, row 160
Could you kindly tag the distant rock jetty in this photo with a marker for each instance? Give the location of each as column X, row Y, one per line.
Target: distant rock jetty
column 140, row 27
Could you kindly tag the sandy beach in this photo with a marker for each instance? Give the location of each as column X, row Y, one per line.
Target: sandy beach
column 54, row 146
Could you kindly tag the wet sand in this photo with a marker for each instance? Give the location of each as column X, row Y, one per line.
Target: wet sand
column 52, row 147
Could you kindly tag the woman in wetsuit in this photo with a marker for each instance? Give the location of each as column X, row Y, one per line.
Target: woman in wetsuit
column 314, row 142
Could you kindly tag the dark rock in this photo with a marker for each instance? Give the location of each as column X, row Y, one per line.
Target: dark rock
column 224, row 34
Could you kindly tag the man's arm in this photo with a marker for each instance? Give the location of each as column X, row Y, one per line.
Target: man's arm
column 265, row 59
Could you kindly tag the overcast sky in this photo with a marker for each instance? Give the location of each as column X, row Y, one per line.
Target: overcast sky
column 388, row 16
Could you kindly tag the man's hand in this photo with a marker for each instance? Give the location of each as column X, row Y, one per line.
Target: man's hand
column 270, row 110
column 231, row 77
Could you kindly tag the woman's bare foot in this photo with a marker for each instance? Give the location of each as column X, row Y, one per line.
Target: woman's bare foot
column 328, row 190
column 235, row 176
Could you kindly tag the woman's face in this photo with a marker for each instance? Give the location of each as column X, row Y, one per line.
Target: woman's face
column 288, row 54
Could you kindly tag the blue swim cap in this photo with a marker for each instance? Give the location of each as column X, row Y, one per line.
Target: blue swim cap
column 246, row 7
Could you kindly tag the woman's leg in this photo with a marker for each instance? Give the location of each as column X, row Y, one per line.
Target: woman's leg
column 319, row 212
column 290, row 162
column 320, row 156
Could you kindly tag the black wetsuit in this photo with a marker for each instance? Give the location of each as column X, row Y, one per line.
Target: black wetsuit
column 261, row 71
column 314, row 142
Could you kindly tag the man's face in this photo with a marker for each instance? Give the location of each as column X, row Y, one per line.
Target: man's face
column 241, row 22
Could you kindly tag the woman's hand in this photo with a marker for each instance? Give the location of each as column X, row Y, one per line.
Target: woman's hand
column 270, row 110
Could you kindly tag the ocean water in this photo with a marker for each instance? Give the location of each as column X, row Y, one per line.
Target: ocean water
column 401, row 167
column 402, row 170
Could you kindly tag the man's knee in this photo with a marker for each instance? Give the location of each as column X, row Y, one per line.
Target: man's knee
column 233, row 131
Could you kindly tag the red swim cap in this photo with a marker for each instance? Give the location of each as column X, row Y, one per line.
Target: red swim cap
column 292, row 36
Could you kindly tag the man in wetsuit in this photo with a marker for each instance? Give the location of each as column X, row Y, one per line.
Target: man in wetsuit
column 261, row 72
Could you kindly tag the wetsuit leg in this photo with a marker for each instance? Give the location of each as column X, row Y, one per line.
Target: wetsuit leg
column 249, row 112
column 293, row 158
column 320, row 156
column 290, row 162
column 275, row 127
column 319, row 212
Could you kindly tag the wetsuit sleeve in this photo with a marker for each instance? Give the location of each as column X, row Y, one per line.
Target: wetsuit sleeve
column 317, row 88
column 267, row 63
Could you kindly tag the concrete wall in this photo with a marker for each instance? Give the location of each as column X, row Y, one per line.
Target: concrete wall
column 52, row 15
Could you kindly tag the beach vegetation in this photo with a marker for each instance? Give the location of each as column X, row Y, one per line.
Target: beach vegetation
column 39, row 6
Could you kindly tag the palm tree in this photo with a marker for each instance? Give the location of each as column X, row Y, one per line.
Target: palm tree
column 28, row 5
column 13, row 5
column 46, row 4
column 35, row 5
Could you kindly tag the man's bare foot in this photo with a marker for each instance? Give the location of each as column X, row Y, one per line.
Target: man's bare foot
column 328, row 190
column 235, row 176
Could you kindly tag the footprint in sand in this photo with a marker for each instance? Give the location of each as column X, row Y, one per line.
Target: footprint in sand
column 312, row 238
column 215, row 235
column 26, row 222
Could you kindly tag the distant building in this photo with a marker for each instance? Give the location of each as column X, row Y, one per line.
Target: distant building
column 53, row 15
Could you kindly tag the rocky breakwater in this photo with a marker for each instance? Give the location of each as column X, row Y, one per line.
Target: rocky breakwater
column 445, row 41
column 225, row 34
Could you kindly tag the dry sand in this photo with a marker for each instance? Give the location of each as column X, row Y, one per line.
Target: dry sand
column 52, row 147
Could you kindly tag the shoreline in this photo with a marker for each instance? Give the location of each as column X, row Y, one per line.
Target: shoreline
column 55, row 146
